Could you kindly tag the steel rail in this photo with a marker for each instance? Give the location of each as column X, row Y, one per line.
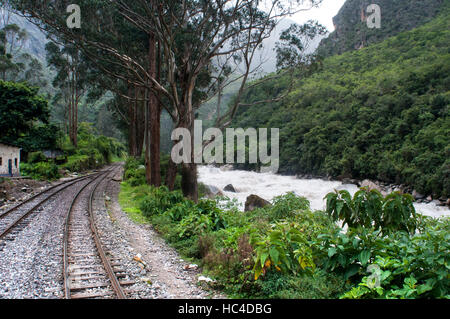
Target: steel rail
column 106, row 263
column 29, row 211
column 4, row 214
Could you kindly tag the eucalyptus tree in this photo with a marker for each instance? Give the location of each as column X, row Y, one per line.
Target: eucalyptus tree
column 12, row 39
column 203, row 43
column 15, row 63
column 70, row 79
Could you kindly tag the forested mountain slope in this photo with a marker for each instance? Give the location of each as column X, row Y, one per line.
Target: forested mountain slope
column 351, row 30
column 381, row 112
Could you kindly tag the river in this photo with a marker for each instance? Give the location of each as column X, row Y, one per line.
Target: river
column 268, row 186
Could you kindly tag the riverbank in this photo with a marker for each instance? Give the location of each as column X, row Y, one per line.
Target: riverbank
column 268, row 186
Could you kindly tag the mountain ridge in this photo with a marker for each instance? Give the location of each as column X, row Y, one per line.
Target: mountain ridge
column 351, row 31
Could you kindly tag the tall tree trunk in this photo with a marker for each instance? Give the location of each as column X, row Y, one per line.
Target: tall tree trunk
column 154, row 119
column 148, row 165
column 132, row 128
column 72, row 119
column 74, row 107
column 69, row 115
column 75, row 122
column 171, row 175
column 155, row 134
column 140, row 122
column 189, row 184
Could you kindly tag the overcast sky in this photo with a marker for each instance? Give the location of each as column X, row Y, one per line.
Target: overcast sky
column 324, row 14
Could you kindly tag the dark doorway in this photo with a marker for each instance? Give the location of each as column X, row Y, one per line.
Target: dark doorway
column 10, row 167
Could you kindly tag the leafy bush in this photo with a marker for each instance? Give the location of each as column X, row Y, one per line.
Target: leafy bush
column 347, row 253
column 131, row 164
column 160, row 200
column 93, row 151
column 78, row 163
column 368, row 208
column 287, row 206
column 134, row 172
column 40, row 170
column 409, row 267
column 319, row 285
column 194, row 224
column 180, row 210
column 284, row 248
column 36, row 157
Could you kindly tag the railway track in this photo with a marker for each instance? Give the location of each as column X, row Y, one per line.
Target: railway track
column 89, row 269
column 13, row 220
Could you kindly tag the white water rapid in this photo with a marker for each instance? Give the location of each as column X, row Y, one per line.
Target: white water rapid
column 267, row 186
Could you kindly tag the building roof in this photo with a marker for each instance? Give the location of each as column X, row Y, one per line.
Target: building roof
column 52, row 153
column 1, row 144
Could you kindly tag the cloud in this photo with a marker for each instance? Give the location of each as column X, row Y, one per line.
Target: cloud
column 324, row 14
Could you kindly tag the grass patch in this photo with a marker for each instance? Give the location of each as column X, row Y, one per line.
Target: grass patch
column 130, row 199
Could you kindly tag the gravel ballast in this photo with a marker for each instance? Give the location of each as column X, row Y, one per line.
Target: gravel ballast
column 31, row 262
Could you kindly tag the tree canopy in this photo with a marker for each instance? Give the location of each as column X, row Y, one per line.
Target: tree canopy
column 20, row 107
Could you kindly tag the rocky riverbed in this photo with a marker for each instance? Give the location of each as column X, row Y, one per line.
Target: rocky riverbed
column 267, row 186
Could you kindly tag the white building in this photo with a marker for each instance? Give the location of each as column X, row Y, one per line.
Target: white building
column 9, row 160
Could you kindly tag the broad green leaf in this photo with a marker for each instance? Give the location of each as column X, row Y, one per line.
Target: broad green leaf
column 351, row 271
column 332, row 251
column 364, row 257
column 274, row 255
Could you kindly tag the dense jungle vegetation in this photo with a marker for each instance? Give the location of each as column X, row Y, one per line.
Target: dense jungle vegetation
column 381, row 112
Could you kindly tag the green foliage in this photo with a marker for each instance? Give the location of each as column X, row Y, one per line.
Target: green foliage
column 93, row 151
column 284, row 248
column 288, row 206
column 293, row 252
column 20, row 106
column 160, row 200
column 40, row 137
column 381, row 112
column 347, row 253
column 79, row 163
column 319, row 285
column 194, row 224
column 134, row 172
column 36, row 157
column 368, row 208
column 191, row 219
column 409, row 267
column 40, row 170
